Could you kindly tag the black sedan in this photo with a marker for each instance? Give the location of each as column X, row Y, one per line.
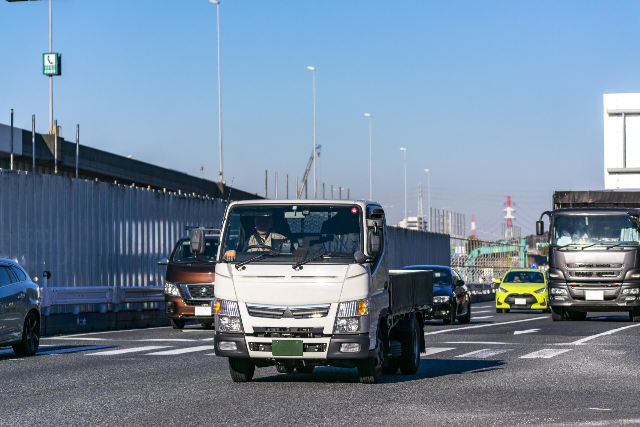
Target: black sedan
column 451, row 297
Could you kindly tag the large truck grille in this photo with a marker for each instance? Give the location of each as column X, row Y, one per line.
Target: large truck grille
column 592, row 265
column 288, row 312
column 611, row 274
column 289, row 332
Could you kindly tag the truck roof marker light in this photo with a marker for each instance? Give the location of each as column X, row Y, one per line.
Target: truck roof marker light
column 354, row 210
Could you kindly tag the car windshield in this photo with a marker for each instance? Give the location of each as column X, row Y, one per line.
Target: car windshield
column 524, row 277
column 294, row 232
column 182, row 252
column 441, row 278
column 594, row 230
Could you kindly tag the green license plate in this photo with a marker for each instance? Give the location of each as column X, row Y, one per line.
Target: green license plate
column 286, row 347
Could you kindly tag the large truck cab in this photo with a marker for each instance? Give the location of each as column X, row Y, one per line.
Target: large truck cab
column 594, row 258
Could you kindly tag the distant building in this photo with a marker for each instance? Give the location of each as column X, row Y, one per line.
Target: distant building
column 412, row 223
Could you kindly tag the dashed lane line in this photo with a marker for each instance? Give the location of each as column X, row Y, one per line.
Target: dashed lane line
column 182, row 350
column 482, row 354
column 481, row 317
column 612, row 331
column 73, row 349
column 128, row 350
column 67, row 338
column 478, row 342
column 546, row 353
column 486, row 325
column 111, row 332
column 481, row 311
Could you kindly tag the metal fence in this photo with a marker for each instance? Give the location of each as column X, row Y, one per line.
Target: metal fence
column 411, row 247
column 91, row 233
column 480, row 261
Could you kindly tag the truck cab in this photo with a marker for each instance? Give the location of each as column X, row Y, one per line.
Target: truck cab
column 303, row 283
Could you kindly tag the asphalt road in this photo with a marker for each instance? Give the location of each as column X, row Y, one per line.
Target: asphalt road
column 518, row 368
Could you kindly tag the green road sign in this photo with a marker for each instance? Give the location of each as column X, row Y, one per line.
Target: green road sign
column 51, row 64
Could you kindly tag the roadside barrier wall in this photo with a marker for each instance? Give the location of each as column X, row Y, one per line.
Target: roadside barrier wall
column 411, row 247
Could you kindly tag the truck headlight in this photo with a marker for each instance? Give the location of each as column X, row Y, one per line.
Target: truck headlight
column 558, row 291
column 171, row 289
column 631, row 291
column 227, row 315
column 349, row 314
column 347, row 325
column 441, row 299
column 502, row 290
column 541, row 291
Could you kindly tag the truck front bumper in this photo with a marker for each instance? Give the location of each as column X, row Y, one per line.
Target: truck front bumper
column 574, row 298
column 315, row 348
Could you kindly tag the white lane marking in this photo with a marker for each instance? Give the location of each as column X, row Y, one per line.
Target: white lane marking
column 600, row 409
column 483, row 354
column 547, row 353
column 182, row 350
column 114, row 332
column 477, row 342
column 486, row 325
column 74, row 339
column 198, row 330
column 612, row 331
column 207, row 339
column 167, row 340
column 73, row 349
column 481, row 317
column 483, row 306
column 481, row 311
column 128, row 350
column 434, row 350
column 528, row 331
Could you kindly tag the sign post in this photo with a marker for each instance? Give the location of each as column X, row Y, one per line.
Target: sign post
column 51, row 64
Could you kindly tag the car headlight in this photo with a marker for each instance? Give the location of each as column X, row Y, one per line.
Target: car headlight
column 349, row 314
column 558, row 291
column 227, row 315
column 171, row 289
column 502, row 290
column 441, row 299
column 541, row 291
column 631, row 291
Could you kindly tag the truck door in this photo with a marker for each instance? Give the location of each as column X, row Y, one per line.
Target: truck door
column 379, row 297
column 10, row 318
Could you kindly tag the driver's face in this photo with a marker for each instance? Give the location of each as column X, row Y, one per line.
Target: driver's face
column 263, row 224
column 516, row 279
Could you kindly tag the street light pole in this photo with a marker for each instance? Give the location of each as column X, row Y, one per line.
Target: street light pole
column 405, row 185
column 370, row 154
column 50, row 77
column 429, row 196
column 315, row 185
column 217, row 3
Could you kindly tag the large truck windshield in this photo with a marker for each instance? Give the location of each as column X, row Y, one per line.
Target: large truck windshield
column 594, row 229
column 293, row 232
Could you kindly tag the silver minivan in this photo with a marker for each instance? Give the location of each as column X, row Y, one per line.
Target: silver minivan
column 19, row 309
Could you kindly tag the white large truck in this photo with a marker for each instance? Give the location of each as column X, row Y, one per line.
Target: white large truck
column 303, row 283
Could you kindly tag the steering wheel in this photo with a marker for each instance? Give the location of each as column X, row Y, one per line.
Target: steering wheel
column 259, row 247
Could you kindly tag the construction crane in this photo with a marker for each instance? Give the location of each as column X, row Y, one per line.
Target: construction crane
column 306, row 175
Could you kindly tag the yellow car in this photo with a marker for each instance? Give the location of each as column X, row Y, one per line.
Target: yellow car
column 524, row 290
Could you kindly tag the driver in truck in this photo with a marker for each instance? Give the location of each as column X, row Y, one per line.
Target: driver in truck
column 262, row 237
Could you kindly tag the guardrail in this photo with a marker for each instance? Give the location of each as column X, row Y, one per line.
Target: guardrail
column 102, row 296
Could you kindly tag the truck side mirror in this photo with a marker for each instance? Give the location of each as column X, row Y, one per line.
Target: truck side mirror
column 196, row 239
column 375, row 240
column 539, row 228
column 360, row 257
column 163, row 261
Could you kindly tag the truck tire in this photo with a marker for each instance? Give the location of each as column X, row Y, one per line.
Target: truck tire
column 392, row 366
column 369, row 370
column 177, row 323
column 284, row 369
column 410, row 358
column 241, row 370
column 634, row 315
column 306, row 369
column 557, row 314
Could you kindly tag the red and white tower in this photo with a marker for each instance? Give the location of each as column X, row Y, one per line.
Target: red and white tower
column 508, row 232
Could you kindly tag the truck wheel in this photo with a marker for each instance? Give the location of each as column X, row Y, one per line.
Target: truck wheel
column 177, row 323
column 557, row 314
column 410, row 358
column 284, row 369
column 305, row 369
column 392, row 366
column 634, row 315
column 369, row 370
column 241, row 370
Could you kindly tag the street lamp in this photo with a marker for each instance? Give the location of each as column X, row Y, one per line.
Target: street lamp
column 405, row 185
column 370, row 181
column 429, row 196
column 50, row 76
column 217, row 3
column 315, row 186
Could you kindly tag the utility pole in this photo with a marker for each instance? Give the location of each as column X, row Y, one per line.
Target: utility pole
column 266, row 178
column 405, row 185
column 315, row 186
column 286, row 180
column 276, row 185
column 420, row 219
column 33, row 142
column 77, row 148
column 11, row 160
column 217, row 3
column 55, row 148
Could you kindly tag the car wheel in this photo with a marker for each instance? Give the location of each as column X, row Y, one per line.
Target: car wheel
column 207, row 325
column 284, row 369
column 241, row 370
column 634, row 315
column 30, row 342
column 452, row 316
column 498, row 310
column 177, row 323
column 467, row 317
column 557, row 314
column 507, row 310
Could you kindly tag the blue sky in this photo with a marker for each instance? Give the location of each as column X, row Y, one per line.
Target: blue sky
column 496, row 98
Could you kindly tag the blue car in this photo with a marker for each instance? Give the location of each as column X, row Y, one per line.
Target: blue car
column 451, row 297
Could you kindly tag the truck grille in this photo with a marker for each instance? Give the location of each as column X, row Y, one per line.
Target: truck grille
column 285, row 312
column 591, row 265
column 289, row 332
column 594, row 274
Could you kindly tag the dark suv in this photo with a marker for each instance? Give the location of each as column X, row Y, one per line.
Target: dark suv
column 19, row 309
column 188, row 289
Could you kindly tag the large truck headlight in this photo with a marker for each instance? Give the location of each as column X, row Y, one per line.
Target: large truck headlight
column 227, row 316
column 631, row 291
column 349, row 314
column 171, row 289
column 558, row 291
column 347, row 325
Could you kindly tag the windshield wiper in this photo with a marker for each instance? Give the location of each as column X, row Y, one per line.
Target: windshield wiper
column 241, row 265
column 298, row 265
column 620, row 244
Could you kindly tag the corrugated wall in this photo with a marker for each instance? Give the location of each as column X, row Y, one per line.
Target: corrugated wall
column 91, row 233
column 410, row 247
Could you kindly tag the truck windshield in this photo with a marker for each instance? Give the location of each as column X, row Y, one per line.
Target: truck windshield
column 295, row 232
column 182, row 252
column 594, row 230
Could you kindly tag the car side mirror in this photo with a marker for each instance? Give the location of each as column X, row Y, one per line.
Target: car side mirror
column 539, row 228
column 196, row 239
column 497, row 281
column 460, row 282
column 46, row 274
column 163, row 261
